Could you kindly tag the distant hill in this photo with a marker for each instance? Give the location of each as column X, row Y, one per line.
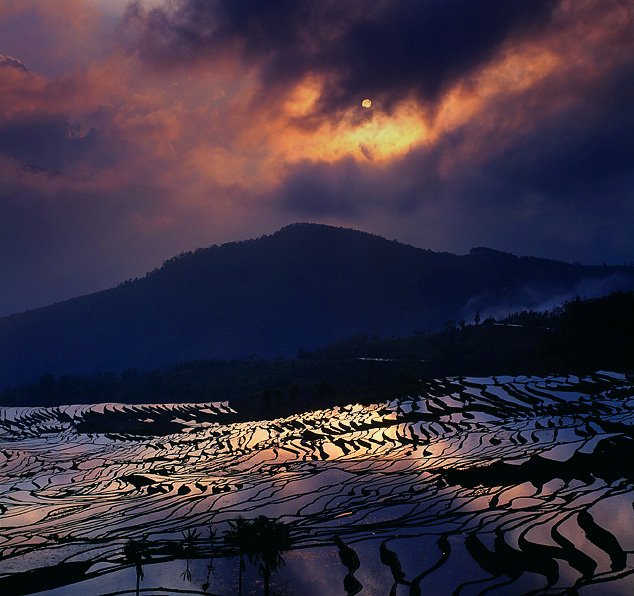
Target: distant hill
column 304, row 286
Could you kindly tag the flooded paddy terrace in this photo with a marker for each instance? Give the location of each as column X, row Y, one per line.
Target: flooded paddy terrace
column 501, row 485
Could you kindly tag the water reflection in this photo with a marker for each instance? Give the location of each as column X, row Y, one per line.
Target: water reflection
column 498, row 485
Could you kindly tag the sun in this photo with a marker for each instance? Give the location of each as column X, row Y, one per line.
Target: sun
column 366, row 103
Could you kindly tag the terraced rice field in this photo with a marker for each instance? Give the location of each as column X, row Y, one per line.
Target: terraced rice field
column 496, row 485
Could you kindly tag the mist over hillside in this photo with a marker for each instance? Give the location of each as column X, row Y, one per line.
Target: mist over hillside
column 304, row 286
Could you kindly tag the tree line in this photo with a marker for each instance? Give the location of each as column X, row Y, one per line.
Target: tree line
column 262, row 540
column 575, row 336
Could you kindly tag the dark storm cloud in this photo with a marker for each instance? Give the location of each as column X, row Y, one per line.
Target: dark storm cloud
column 386, row 50
column 422, row 47
column 581, row 154
column 48, row 141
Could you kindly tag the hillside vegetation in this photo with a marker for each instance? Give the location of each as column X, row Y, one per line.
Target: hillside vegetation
column 306, row 285
column 579, row 336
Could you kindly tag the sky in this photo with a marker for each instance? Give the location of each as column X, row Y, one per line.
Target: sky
column 133, row 131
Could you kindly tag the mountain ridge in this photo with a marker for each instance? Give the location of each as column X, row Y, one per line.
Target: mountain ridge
column 303, row 286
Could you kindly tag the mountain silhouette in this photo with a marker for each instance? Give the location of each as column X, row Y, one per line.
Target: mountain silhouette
column 303, row 286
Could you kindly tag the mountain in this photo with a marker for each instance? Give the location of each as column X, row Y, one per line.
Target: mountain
column 304, row 286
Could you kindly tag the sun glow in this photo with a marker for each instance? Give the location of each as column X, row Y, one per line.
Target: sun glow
column 381, row 138
column 296, row 130
column 378, row 136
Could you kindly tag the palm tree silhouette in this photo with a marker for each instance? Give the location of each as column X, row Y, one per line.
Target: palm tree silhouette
column 137, row 551
column 270, row 540
column 210, row 565
column 189, row 550
column 239, row 536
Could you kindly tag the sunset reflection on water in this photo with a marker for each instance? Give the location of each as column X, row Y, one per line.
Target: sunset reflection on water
column 456, row 465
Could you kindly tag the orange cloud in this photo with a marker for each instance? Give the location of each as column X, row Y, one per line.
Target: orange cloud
column 214, row 126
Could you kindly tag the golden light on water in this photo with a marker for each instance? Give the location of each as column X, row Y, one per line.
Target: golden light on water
column 366, row 103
